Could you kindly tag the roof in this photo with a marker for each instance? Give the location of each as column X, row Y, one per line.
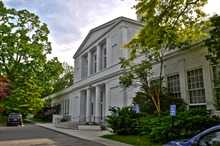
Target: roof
column 100, row 31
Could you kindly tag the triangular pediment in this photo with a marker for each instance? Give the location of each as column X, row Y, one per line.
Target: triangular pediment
column 99, row 31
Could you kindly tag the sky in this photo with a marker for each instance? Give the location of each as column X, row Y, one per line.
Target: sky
column 69, row 21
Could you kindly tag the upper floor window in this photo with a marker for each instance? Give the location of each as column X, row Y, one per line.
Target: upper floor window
column 103, row 55
column 173, row 85
column 84, row 66
column 93, row 62
column 196, row 86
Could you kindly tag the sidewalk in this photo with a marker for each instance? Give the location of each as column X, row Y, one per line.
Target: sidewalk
column 92, row 135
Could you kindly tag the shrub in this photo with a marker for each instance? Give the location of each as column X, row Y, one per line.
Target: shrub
column 185, row 125
column 123, row 121
column 143, row 99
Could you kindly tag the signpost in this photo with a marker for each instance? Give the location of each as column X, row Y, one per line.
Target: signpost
column 172, row 113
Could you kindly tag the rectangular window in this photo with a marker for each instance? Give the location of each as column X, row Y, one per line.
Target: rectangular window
column 196, row 86
column 173, row 85
column 103, row 55
column 84, row 66
column 66, row 107
column 216, row 77
column 94, row 62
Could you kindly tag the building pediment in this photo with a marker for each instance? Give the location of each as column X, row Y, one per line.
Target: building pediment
column 96, row 33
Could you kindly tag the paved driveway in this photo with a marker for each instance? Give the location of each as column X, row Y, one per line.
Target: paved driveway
column 32, row 135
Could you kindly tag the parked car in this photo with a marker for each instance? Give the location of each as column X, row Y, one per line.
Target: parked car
column 208, row 137
column 14, row 119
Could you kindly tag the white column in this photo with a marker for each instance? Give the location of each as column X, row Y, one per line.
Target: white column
column 107, row 100
column 97, row 104
column 98, row 58
column 89, row 62
column 88, row 98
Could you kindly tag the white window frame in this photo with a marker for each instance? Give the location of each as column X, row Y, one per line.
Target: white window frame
column 173, row 85
column 103, row 47
column 216, row 75
column 93, row 61
column 196, row 86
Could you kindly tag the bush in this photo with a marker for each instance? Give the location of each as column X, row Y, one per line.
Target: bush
column 185, row 125
column 123, row 121
column 143, row 99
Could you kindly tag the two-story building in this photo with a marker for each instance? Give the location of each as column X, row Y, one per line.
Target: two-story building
column 96, row 81
column 96, row 88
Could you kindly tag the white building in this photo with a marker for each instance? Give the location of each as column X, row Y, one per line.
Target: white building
column 187, row 74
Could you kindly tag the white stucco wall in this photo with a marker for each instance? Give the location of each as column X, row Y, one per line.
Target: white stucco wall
column 183, row 61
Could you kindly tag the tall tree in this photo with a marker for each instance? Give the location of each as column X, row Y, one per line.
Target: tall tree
column 66, row 79
column 213, row 45
column 24, row 46
column 213, row 41
column 168, row 24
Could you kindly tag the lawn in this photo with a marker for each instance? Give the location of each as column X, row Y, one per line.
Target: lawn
column 133, row 140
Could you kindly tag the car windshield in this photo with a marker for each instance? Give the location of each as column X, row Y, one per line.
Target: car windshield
column 14, row 115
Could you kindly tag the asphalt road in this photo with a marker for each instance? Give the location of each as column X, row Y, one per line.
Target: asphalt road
column 32, row 135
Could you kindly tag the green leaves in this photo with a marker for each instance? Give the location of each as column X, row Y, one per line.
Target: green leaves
column 213, row 42
column 167, row 25
column 24, row 47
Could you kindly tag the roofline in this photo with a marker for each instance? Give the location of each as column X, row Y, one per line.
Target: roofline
column 118, row 19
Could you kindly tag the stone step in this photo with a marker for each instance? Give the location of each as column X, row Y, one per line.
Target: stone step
column 89, row 127
column 67, row 125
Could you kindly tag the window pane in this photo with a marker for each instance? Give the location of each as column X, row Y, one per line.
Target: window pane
column 196, row 86
column 174, row 85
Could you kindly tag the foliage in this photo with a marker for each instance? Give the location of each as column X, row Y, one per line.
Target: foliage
column 166, row 25
column 44, row 115
column 186, row 124
column 213, row 42
column 123, row 121
column 4, row 87
column 3, row 119
column 66, row 78
column 146, row 106
column 213, row 45
column 24, row 47
column 159, row 128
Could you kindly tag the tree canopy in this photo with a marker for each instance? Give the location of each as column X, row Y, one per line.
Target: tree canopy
column 24, row 47
column 167, row 25
column 213, row 41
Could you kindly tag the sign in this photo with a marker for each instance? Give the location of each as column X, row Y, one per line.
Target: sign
column 136, row 108
column 173, row 110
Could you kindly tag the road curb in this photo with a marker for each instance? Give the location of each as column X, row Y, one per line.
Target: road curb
column 98, row 140
column 67, row 134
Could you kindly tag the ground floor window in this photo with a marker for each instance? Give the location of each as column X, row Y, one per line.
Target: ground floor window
column 196, row 86
column 66, row 106
column 173, row 85
column 216, row 80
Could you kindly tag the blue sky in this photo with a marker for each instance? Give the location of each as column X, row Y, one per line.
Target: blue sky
column 70, row 20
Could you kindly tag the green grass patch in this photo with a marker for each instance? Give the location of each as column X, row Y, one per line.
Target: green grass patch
column 132, row 139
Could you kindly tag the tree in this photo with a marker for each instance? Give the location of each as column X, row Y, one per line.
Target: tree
column 213, row 45
column 213, row 41
column 4, row 87
column 66, row 78
column 24, row 46
column 168, row 24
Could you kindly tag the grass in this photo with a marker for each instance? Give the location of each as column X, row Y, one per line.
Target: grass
column 132, row 140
